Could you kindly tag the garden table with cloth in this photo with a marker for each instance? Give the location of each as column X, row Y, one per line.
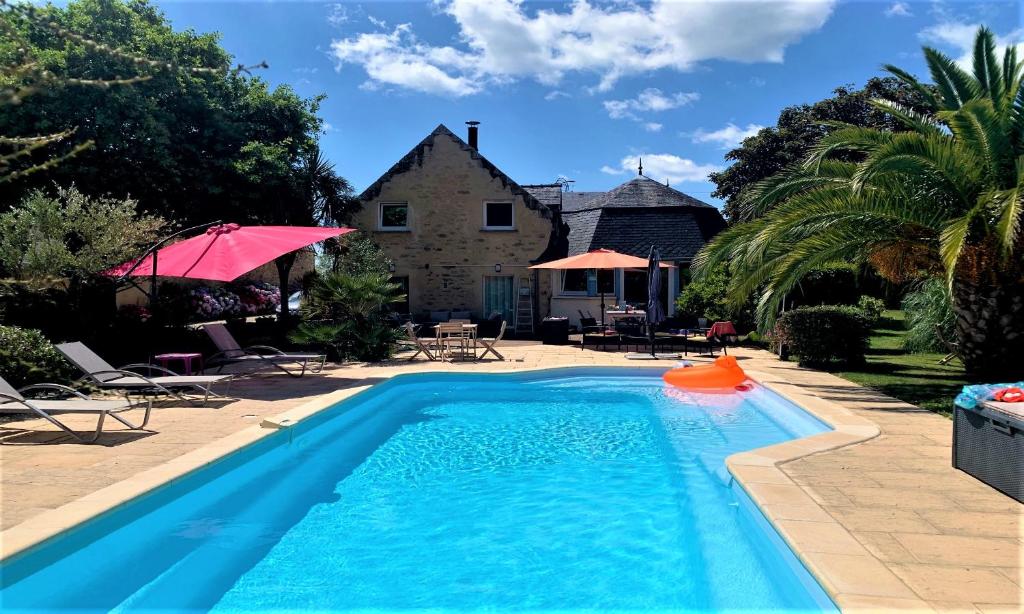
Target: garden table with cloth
column 185, row 358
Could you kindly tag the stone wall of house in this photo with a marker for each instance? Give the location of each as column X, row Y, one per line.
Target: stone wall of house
column 446, row 253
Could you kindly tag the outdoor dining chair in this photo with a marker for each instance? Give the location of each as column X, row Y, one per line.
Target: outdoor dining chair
column 490, row 342
column 231, row 353
column 14, row 401
column 414, row 342
column 450, row 335
column 103, row 375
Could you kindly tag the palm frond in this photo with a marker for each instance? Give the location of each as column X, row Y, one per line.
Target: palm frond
column 951, row 243
column 987, row 71
column 907, row 116
column 852, row 139
column 925, row 92
column 954, row 84
column 978, row 127
column 1008, row 205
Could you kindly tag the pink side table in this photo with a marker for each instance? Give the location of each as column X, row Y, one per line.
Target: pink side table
column 184, row 357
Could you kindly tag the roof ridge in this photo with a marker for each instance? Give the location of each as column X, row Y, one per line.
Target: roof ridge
column 416, row 154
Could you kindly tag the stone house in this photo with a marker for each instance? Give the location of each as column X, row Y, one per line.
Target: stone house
column 462, row 234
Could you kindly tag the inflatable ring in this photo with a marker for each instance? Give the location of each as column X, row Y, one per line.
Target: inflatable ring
column 723, row 375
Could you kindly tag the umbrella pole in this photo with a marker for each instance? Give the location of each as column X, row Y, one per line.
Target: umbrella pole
column 602, row 310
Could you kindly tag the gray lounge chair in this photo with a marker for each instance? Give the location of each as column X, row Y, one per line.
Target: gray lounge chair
column 231, row 353
column 14, row 402
column 102, row 374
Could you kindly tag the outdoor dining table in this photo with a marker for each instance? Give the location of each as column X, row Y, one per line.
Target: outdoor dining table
column 470, row 329
column 636, row 313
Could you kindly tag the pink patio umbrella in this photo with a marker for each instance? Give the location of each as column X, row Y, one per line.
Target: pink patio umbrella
column 225, row 252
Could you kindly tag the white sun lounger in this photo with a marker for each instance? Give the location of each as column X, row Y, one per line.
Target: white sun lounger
column 14, row 402
column 231, row 353
column 102, row 374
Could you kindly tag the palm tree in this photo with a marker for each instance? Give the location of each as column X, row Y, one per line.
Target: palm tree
column 943, row 199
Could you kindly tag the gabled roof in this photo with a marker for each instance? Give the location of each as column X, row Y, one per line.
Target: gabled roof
column 644, row 192
column 415, row 156
column 548, row 193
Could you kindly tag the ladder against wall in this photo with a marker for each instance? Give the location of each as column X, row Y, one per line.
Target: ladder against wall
column 524, row 306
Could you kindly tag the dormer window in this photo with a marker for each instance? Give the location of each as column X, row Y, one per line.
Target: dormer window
column 499, row 216
column 394, row 216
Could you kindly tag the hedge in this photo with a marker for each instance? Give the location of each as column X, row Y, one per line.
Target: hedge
column 819, row 335
column 27, row 357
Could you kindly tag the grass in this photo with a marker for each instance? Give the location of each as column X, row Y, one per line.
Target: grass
column 915, row 378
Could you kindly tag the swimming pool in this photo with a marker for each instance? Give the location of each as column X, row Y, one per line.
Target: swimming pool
column 571, row 489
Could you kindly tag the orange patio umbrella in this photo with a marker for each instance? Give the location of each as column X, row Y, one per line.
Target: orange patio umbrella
column 599, row 259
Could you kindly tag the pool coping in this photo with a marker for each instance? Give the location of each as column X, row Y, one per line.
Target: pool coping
column 849, row 574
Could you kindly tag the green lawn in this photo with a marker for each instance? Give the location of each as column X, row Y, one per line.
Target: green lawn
column 914, row 378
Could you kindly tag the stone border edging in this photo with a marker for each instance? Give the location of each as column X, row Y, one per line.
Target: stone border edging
column 853, row 577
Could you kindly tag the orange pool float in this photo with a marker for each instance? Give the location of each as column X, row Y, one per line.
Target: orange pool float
column 723, row 375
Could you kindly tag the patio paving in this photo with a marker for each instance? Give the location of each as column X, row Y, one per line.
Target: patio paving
column 887, row 521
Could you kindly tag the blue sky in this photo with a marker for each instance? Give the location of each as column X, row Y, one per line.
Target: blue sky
column 577, row 89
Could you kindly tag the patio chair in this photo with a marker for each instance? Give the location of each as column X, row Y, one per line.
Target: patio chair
column 14, row 402
column 490, row 342
column 413, row 342
column 450, row 335
column 231, row 353
column 103, row 375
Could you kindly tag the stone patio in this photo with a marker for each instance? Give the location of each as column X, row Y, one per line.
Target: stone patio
column 885, row 523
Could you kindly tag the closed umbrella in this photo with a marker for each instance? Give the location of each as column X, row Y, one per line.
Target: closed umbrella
column 655, row 312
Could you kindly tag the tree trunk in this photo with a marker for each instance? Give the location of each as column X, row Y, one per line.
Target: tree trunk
column 284, row 267
column 990, row 328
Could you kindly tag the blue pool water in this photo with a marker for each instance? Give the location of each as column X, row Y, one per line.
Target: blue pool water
column 596, row 489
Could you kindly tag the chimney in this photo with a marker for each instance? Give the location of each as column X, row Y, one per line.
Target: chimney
column 473, row 133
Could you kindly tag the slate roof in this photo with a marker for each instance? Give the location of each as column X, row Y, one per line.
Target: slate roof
column 636, row 215
column 548, row 193
column 644, row 192
column 678, row 232
column 415, row 156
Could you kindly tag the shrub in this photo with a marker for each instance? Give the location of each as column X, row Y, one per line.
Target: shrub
column 835, row 284
column 872, row 309
column 929, row 314
column 705, row 298
column 27, row 357
column 818, row 335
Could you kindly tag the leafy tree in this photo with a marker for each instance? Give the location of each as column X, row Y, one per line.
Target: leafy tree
column 28, row 69
column 705, row 298
column 71, row 235
column 799, row 127
column 942, row 199
column 194, row 143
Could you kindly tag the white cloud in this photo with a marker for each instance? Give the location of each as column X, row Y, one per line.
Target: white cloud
column 380, row 23
column 650, row 99
column 499, row 41
column 728, row 137
column 555, row 95
column 306, row 70
column 898, row 9
column 663, row 166
column 758, row 82
column 960, row 36
column 653, row 126
column 337, row 15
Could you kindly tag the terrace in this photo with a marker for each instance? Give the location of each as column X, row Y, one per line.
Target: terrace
column 873, row 509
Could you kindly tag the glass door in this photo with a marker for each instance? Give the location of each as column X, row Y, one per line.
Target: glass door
column 499, row 296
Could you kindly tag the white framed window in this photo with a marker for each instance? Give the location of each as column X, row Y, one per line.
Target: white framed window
column 394, row 216
column 499, row 215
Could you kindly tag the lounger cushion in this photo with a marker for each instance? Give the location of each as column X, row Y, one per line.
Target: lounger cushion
column 440, row 316
column 461, row 315
column 169, row 380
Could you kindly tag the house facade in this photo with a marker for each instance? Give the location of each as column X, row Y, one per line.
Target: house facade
column 462, row 235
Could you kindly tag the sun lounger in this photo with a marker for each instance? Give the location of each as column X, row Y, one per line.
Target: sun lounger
column 14, row 402
column 102, row 374
column 231, row 353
